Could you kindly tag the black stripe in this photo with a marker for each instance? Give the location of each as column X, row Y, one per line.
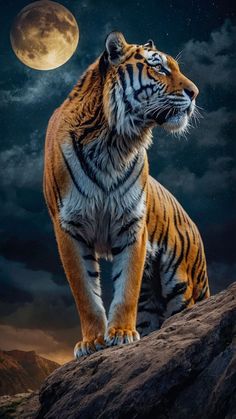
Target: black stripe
column 138, row 56
column 87, row 170
column 57, row 189
column 114, row 104
column 117, row 276
column 110, row 144
column 193, row 233
column 128, row 173
column 179, row 288
column 93, row 274
column 153, row 205
column 148, row 216
column 154, row 232
column 130, row 71
column 181, row 237
column 203, row 294
column 195, row 264
column 159, row 240
column 74, row 224
column 165, row 239
column 178, row 213
column 188, row 245
column 72, row 176
column 180, row 258
column 118, row 249
column 122, row 78
column 172, row 258
column 128, row 225
column 128, row 106
column 87, row 130
column 136, row 200
column 204, row 277
column 90, row 173
column 103, row 64
column 151, row 77
column 140, row 69
column 135, row 179
column 93, row 119
column 201, row 273
column 78, row 238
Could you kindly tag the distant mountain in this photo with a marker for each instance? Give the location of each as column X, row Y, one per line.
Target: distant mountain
column 22, row 371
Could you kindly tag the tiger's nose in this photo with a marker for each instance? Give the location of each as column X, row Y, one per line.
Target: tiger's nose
column 192, row 91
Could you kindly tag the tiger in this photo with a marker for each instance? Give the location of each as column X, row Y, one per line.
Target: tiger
column 104, row 204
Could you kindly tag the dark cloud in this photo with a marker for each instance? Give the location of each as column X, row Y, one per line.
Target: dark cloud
column 213, row 62
column 211, row 129
column 21, row 166
column 40, row 87
column 35, row 299
column 42, row 342
column 219, row 174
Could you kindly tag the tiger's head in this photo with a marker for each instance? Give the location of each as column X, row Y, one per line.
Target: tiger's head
column 144, row 87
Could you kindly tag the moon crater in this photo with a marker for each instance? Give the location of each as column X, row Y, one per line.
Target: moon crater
column 44, row 35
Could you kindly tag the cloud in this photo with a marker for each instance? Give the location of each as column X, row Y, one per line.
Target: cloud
column 212, row 62
column 41, row 86
column 35, row 282
column 22, row 166
column 216, row 179
column 209, row 131
column 32, row 299
column 38, row 340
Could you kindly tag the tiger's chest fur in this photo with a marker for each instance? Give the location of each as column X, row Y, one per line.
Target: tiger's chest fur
column 104, row 203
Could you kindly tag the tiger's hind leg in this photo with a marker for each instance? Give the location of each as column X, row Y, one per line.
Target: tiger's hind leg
column 151, row 305
column 184, row 283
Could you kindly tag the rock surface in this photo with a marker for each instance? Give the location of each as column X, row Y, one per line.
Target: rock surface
column 19, row 406
column 21, row 371
column 185, row 370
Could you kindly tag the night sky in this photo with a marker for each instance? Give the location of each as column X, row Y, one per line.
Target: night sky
column 36, row 307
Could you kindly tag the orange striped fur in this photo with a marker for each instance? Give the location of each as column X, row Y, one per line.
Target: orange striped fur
column 104, row 203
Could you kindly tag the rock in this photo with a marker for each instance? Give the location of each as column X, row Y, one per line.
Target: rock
column 185, row 370
column 22, row 405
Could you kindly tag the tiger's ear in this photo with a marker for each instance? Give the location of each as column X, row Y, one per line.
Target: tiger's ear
column 150, row 44
column 115, row 47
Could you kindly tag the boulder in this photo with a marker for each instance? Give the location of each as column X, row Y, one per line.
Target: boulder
column 187, row 369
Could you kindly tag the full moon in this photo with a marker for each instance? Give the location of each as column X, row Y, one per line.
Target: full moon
column 44, row 35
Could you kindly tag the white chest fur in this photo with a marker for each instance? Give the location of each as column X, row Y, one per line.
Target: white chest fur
column 99, row 203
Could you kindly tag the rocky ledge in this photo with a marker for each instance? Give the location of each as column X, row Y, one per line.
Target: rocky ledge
column 185, row 370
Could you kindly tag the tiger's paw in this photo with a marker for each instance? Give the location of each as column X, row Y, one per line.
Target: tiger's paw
column 88, row 347
column 118, row 336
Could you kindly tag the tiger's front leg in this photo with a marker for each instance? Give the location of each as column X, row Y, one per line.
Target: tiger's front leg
column 82, row 271
column 128, row 266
